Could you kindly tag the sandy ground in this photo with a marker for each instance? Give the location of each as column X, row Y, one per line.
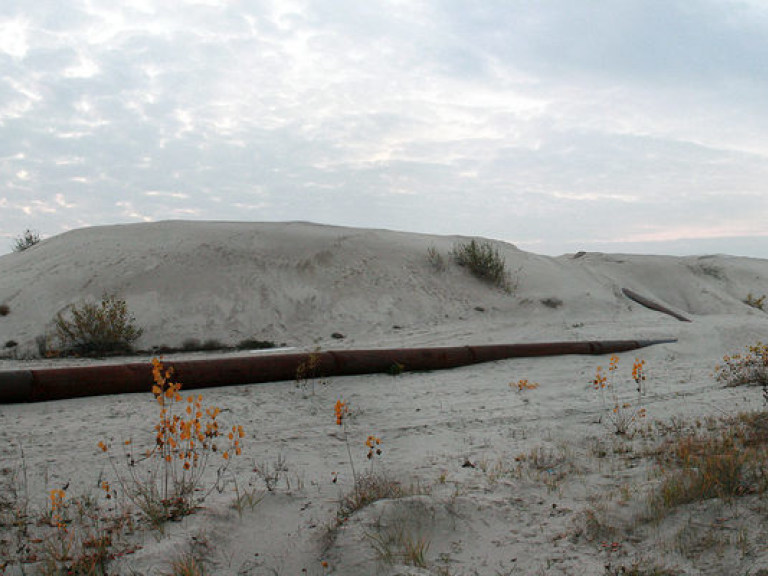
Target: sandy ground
column 498, row 480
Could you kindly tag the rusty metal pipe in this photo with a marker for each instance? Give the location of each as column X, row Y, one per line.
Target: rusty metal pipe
column 652, row 305
column 43, row 384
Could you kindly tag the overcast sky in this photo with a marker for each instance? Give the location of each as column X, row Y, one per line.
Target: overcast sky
column 557, row 125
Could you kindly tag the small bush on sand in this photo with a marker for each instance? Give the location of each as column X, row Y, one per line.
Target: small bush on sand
column 751, row 367
column 26, row 240
column 483, row 261
column 5, row 309
column 97, row 328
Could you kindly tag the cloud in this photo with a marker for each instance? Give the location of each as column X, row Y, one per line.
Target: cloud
column 547, row 122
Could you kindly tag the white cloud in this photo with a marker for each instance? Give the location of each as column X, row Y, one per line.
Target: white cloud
column 61, row 201
column 85, row 68
column 13, row 37
column 157, row 193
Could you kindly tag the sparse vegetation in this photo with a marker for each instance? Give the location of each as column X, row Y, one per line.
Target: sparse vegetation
column 308, row 374
column 727, row 462
column 751, row 367
column 658, row 474
column 97, row 328
column 523, row 384
column 755, row 302
column 271, row 473
column 371, row 487
column 193, row 561
column 551, row 302
column 28, row 239
column 624, row 416
column 190, row 344
column 436, row 259
column 5, row 309
column 484, row 261
column 172, row 485
column 396, row 369
column 398, row 544
column 254, row 344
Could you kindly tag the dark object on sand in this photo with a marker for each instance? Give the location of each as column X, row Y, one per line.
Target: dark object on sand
column 648, row 303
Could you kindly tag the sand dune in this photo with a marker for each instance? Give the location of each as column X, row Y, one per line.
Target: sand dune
column 298, row 282
column 464, row 435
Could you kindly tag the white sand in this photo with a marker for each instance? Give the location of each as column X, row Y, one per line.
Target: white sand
column 298, row 283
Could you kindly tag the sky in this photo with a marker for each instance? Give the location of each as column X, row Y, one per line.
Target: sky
column 559, row 126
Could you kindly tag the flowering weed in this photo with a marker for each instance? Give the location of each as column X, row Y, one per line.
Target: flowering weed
column 369, row 486
column 523, row 384
column 622, row 414
column 166, row 480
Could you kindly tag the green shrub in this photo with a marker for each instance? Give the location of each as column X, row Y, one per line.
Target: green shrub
column 26, row 240
column 97, row 328
column 483, row 261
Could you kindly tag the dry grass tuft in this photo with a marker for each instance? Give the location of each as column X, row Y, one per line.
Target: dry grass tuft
column 701, row 465
column 371, row 488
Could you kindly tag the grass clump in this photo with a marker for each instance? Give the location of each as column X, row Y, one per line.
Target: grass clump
column 436, row 259
column 96, row 328
column 5, row 309
column 484, row 261
column 28, row 239
column 370, row 488
column 398, row 545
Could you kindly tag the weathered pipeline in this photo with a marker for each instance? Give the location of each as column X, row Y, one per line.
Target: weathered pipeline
column 42, row 384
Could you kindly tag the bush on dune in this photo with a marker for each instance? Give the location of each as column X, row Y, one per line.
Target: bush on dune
column 483, row 261
column 97, row 327
column 26, row 240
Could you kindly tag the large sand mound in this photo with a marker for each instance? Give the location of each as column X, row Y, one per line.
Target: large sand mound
column 298, row 283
